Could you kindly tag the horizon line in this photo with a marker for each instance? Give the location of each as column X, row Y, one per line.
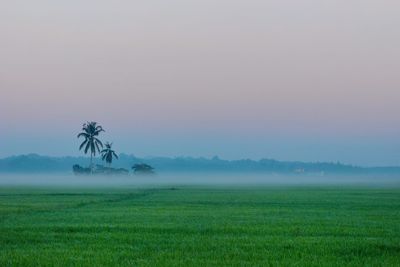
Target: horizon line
column 216, row 157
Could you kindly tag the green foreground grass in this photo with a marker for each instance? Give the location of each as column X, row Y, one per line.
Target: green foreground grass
column 200, row 226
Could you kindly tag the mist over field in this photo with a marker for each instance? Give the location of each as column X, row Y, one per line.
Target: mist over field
column 243, row 179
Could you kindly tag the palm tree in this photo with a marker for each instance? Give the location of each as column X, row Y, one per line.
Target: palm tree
column 108, row 153
column 90, row 132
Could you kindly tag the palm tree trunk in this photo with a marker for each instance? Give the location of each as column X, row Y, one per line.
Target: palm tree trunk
column 91, row 163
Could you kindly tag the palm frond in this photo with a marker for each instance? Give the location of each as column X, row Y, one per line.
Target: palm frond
column 83, row 144
column 87, row 147
column 97, row 146
column 99, row 129
column 96, row 140
column 85, row 135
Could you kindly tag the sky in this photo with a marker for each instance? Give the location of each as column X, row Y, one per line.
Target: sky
column 306, row 80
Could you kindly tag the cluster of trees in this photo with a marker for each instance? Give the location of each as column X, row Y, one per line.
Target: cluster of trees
column 93, row 145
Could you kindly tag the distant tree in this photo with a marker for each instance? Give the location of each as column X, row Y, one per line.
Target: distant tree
column 92, row 144
column 108, row 154
column 142, row 168
column 78, row 170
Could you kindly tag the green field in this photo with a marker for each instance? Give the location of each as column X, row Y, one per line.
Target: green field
column 200, row 226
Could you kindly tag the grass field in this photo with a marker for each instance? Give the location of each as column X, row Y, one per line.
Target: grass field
column 200, row 226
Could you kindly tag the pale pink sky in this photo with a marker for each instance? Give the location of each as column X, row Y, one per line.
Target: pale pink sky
column 202, row 71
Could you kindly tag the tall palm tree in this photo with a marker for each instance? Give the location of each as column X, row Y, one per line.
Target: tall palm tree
column 108, row 154
column 90, row 132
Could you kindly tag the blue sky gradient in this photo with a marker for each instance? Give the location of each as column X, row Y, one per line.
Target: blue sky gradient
column 294, row 80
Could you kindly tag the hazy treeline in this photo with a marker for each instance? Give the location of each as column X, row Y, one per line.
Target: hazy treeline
column 36, row 163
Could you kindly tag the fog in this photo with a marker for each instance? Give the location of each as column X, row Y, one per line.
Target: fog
column 243, row 179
